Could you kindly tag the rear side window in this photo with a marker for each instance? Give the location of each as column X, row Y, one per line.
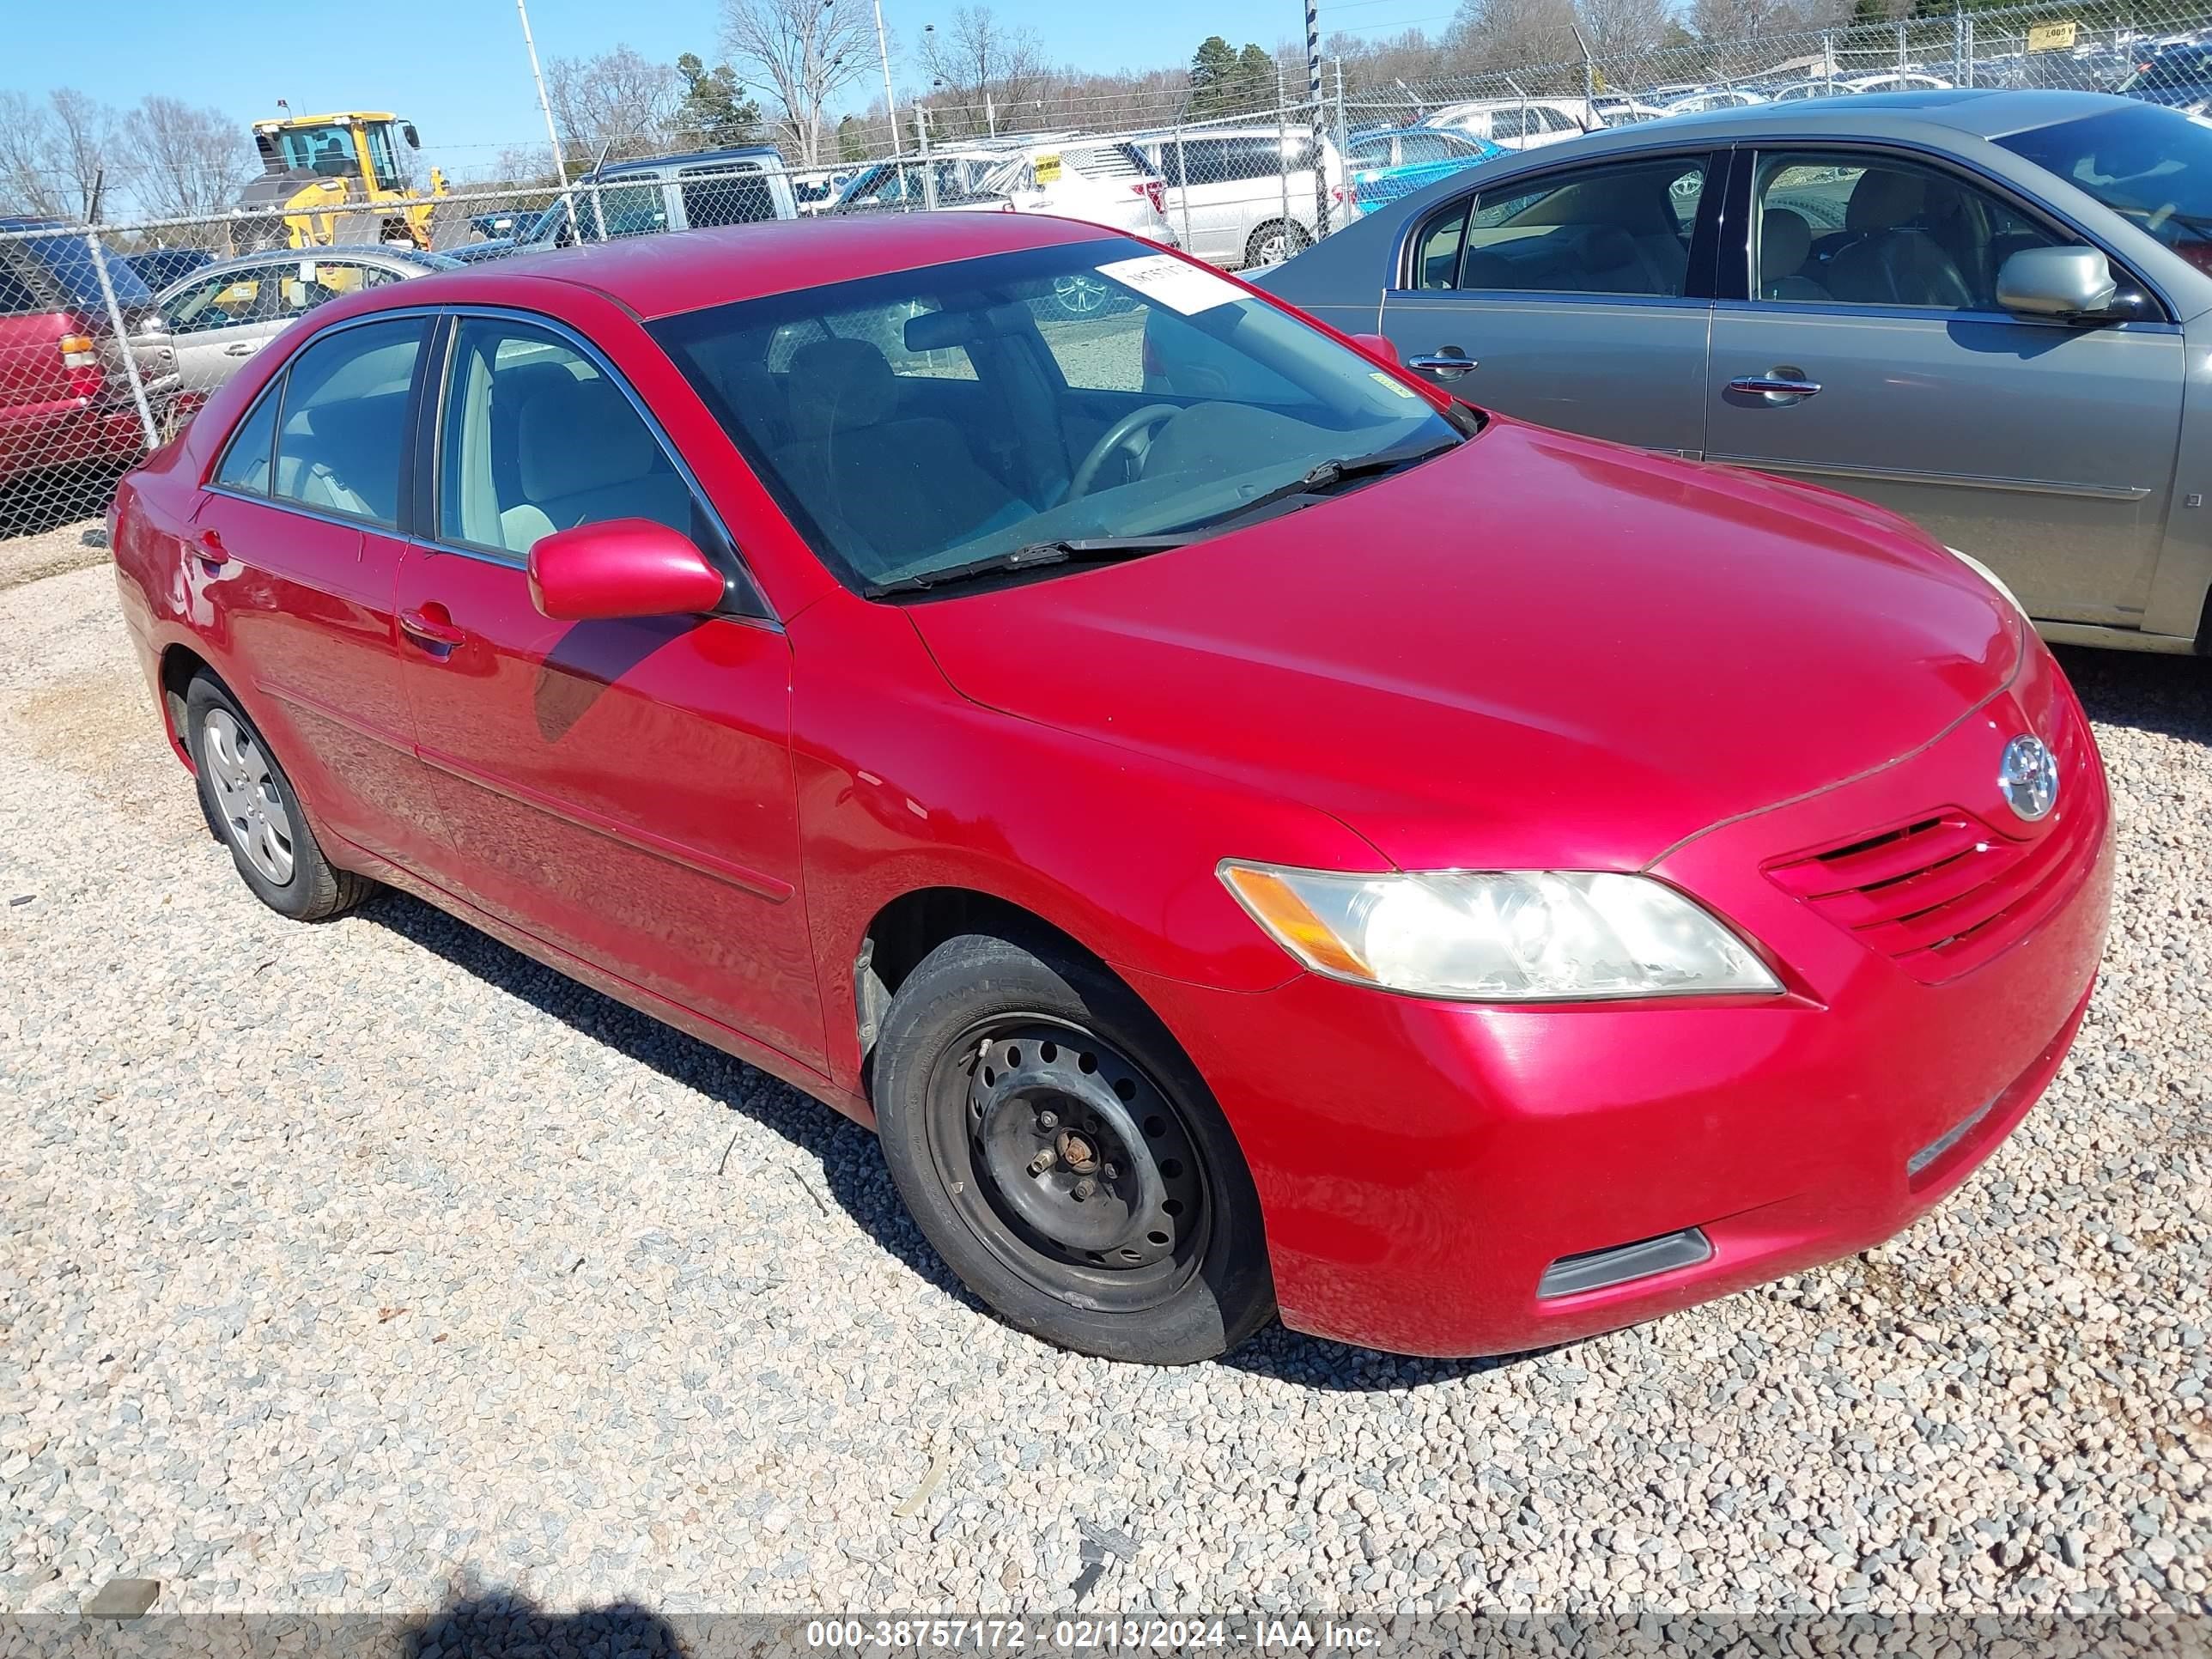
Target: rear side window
column 727, row 196
column 1622, row 229
column 345, row 425
column 17, row 299
column 1436, row 248
column 245, row 463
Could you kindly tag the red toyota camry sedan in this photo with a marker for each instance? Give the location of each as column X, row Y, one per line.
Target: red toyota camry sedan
column 1249, row 830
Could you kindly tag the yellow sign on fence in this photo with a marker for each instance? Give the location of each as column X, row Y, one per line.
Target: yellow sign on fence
column 1047, row 169
column 2052, row 37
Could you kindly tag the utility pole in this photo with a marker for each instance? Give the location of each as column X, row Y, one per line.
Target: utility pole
column 1317, row 122
column 545, row 104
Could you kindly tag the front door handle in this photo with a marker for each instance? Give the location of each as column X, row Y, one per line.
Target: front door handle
column 1779, row 386
column 430, row 627
column 1445, row 362
column 241, row 348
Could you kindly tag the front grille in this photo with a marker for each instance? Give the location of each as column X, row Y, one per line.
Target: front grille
column 1944, row 893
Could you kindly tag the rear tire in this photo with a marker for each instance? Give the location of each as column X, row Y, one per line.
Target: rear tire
column 251, row 805
column 1064, row 1156
column 1275, row 242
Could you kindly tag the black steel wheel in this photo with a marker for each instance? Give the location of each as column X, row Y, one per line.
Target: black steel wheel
column 1065, row 1159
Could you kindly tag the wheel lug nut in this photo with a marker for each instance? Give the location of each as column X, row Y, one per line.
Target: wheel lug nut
column 1041, row 1163
column 1085, row 1187
column 1047, row 1119
column 1107, row 1172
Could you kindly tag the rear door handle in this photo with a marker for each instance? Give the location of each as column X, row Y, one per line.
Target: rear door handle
column 1446, row 363
column 430, row 626
column 1776, row 384
column 241, row 348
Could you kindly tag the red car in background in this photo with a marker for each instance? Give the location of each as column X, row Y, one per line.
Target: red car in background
column 65, row 395
column 1248, row 830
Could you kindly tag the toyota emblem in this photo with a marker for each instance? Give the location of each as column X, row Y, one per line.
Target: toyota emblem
column 2027, row 777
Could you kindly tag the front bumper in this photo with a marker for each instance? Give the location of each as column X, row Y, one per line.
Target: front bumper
column 1422, row 1165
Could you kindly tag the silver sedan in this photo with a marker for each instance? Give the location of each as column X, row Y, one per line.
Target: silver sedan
column 1989, row 311
column 222, row 314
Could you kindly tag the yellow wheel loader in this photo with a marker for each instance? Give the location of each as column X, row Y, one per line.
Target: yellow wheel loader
column 331, row 179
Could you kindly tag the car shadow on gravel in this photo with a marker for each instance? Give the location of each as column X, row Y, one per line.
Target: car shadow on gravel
column 848, row 1170
column 2171, row 696
column 492, row 1624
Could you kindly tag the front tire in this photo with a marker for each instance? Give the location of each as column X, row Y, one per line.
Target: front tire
column 1064, row 1156
column 251, row 806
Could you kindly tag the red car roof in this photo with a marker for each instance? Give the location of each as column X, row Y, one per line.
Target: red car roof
column 660, row 275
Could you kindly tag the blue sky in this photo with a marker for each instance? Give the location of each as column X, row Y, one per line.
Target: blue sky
column 456, row 68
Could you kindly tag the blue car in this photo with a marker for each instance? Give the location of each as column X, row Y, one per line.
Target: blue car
column 1386, row 164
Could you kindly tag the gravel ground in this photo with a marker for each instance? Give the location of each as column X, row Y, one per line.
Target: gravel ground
column 344, row 1266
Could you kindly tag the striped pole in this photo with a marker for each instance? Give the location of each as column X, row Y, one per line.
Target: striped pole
column 1320, row 126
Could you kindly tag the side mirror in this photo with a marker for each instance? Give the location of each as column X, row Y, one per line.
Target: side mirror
column 2065, row 283
column 1378, row 347
column 622, row 568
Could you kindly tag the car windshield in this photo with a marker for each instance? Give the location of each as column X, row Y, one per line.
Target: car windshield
column 2153, row 167
column 68, row 260
column 932, row 420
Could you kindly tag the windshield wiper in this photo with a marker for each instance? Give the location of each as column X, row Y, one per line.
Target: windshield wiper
column 1090, row 549
column 1320, row 479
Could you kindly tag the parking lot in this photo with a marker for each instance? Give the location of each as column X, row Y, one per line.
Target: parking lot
column 346, row 1267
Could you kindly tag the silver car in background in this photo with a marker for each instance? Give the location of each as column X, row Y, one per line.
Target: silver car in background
column 221, row 313
column 1989, row 311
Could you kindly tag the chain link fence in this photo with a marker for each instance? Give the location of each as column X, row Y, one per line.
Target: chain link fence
column 113, row 336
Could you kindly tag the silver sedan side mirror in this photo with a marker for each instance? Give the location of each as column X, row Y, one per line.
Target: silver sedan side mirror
column 2057, row 282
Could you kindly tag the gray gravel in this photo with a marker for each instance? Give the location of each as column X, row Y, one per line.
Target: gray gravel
column 341, row 1266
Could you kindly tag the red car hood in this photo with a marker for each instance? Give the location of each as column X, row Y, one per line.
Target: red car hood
column 1537, row 650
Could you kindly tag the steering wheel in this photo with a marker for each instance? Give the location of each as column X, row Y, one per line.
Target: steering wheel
column 1116, row 435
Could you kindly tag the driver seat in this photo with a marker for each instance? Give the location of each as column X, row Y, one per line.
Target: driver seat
column 904, row 485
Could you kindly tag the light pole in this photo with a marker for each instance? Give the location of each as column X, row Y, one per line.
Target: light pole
column 891, row 103
column 545, row 104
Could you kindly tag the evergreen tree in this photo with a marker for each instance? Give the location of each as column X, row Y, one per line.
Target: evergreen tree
column 713, row 111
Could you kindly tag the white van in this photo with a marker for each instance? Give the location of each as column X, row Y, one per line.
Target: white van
column 1246, row 193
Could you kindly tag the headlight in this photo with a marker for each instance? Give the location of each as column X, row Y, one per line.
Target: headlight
column 1992, row 579
column 1499, row 936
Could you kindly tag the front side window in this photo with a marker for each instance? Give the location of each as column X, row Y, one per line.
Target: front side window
column 1851, row 229
column 343, row 427
column 382, row 159
column 597, row 213
column 328, row 150
column 535, row 438
column 2151, row 166
column 1415, row 147
column 1107, row 393
column 1623, row 229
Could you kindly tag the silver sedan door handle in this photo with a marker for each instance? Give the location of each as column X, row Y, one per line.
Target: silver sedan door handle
column 1776, row 384
column 242, row 349
column 1446, row 363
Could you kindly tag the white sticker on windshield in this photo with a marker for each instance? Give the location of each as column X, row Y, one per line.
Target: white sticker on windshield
column 1165, row 280
column 1391, row 383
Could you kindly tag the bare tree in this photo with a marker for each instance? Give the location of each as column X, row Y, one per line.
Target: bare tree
column 983, row 70
column 1724, row 23
column 1506, row 33
column 184, row 161
column 26, row 184
column 1622, row 31
column 619, row 101
column 57, row 157
column 805, row 51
